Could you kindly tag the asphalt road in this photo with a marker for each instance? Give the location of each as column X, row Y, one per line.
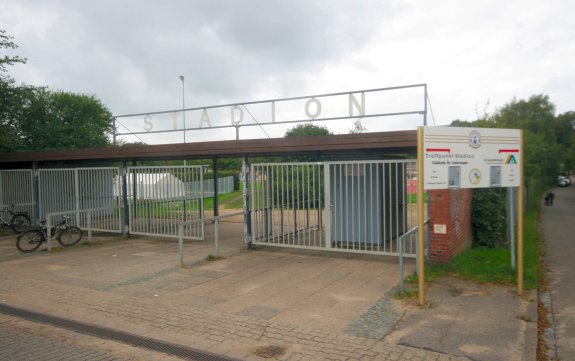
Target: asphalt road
column 558, row 226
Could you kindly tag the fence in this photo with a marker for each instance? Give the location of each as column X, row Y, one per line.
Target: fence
column 88, row 218
column 66, row 190
column 358, row 207
column 225, row 185
column 194, row 224
column 159, row 200
column 156, row 197
column 17, row 189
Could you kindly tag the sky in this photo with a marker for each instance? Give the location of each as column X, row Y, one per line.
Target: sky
column 474, row 56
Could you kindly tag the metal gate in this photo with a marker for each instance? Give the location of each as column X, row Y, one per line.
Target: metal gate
column 16, row 189
column 77, row 190
column 358, row 207
column 161, row 197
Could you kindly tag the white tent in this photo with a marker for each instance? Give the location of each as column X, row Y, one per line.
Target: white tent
column 153, row 186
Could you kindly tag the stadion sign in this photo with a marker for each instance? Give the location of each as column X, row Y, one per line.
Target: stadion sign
column 334, row 106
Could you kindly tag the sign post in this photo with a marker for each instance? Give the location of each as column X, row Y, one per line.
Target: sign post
column 453, row 158
column 420, row 221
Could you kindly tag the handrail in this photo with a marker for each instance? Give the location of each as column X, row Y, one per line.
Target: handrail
column 216, row 220
column 401, row 246
column 63, row 213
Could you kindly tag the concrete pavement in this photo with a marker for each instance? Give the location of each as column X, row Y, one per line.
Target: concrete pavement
column 278, row 303
column 558, row 226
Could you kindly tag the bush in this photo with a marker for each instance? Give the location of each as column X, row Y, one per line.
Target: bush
column 488, row 217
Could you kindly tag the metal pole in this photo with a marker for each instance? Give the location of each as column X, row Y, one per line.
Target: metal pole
column 181, row 243
column 401, row 264
column 90, row 226
column 77, row 195
column 35, row 192
column 49, row 232
column 114, row 133
column 216, row 189
column 511, row 223
column 216, row 237
column 420, row 230
column 425, row 105
column 126, row 230
column 520, row 221
column 247, row 225
column 184, row 104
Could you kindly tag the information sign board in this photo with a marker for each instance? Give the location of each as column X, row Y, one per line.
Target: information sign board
column 455, row 157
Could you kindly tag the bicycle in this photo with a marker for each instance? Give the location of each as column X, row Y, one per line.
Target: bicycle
column 18, row 221
column 66, row 235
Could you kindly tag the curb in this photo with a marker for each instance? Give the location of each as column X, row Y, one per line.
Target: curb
column 548, row 333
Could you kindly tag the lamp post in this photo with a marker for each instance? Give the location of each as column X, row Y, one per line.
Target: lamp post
column 183, row 104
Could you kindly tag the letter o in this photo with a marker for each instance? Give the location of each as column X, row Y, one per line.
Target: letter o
column 317, row 108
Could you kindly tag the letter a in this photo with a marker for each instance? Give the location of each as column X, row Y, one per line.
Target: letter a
column 205, row 118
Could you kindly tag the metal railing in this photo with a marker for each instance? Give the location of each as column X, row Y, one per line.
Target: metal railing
column 89, row 221
column 216, row 221
column 159, row 200
column 225, row 185
column 349, row 206
column 401, row 248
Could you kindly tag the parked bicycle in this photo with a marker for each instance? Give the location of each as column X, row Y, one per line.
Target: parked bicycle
column 66, row 234
column 17, row 221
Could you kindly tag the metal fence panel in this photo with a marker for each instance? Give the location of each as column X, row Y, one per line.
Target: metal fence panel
column 287, row 205
column 357, row 206
column 78, row 189
column 16, row 189
column 159, row 199
column 225, row 185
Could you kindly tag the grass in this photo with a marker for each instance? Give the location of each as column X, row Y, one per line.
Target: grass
column 232, row 200
column 492, row 265
column 212, row 258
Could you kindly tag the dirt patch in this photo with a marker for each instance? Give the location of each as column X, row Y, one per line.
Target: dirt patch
column 270, row 351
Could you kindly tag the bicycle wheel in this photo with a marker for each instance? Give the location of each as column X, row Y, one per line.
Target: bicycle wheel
column 20, row 222
column 29, row 241
column 69, row 236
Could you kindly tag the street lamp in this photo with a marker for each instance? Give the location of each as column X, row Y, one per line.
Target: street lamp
column 183, row 104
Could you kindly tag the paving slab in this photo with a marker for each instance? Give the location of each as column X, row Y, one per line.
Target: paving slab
column 308, row 305
column 482, row 322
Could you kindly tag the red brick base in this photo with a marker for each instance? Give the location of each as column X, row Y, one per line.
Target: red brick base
column 450, row 222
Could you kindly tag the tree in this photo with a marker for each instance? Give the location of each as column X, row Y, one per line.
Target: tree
column 535, row 115
column 357, row 128
column 7, row 43
column 36, row 118
column 565, row 133
column 307, row 130
column 549, row 147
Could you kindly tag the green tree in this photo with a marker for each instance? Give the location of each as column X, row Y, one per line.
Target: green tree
column 358, row 127
column 39, row 119
column 548, row 149
column 536, row 115
column 36, row 118
column 565, row 133
column 5, row 59
column 307, row 130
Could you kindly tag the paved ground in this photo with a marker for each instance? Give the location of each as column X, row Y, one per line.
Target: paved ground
column 558, row 225
column 310, row 306
column 481, row 322
column 22, row 340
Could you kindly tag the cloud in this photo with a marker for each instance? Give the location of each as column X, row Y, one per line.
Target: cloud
column 130, row 53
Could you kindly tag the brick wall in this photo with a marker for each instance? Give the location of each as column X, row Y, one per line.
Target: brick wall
column 450, row 222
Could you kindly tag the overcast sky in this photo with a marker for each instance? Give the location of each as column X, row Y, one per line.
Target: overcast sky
column 473, row 56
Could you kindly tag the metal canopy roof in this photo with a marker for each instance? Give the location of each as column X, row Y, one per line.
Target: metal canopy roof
column 365, row 143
